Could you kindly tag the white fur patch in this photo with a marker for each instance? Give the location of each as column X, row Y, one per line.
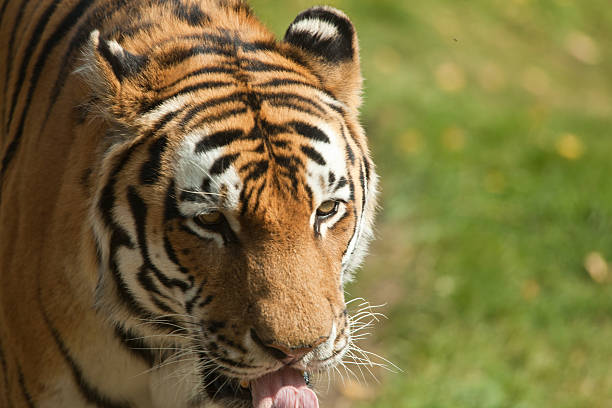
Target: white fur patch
column 191, row 171
column 115, row 48
column 320, row 28
column 170, row 105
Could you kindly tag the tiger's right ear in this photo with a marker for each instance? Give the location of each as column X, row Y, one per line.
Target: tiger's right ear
column 327, row 39
column 107, row 65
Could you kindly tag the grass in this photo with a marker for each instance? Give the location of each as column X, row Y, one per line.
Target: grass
column 491, row 123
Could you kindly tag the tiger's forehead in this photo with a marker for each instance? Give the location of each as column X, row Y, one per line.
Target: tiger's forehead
column 235, row 168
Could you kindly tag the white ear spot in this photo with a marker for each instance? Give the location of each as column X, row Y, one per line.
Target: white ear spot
column 94, row 38
column 315, row 27
column 115, row 48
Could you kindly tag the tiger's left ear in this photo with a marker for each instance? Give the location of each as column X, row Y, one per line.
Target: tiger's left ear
column 327, row 38
column 107, row 67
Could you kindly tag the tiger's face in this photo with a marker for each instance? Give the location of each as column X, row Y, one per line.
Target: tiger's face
column 237, row 197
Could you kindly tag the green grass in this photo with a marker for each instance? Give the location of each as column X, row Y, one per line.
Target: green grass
column 491, row 123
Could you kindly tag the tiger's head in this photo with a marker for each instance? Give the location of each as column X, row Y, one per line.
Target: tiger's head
column 235, row 198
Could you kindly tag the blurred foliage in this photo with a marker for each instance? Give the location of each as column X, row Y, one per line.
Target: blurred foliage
column 491, row 125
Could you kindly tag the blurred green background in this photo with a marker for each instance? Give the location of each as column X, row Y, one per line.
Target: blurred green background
column 491, row 124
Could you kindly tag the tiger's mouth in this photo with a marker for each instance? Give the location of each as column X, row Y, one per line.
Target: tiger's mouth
column 286, row 387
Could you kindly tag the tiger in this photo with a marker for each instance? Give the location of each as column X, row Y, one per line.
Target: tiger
column 183, row 198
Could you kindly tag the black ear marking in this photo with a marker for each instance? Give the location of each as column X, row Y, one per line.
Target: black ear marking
column 122, row 62
column 325, row 32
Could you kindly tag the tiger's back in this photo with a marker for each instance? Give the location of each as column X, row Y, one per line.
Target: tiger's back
column 174, row 182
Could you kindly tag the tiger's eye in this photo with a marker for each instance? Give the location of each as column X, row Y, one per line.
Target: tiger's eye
column 327, row 208
column 210, row 218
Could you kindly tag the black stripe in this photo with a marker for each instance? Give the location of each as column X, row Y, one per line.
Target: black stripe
column 309, row 131
column 222, row 359
column 285, row 81
column 161, row 305
column 51, row 42
column 273, row 129
column 218, row 139
column 150, row 170
column 126, row 296
column 145, row 280
column 3, row 9
column 223, row 163
column 161, row 123
column 107, row 199
column 257, row 169
column 291, row 97
column 215, row 102
column 24, row 390
column 350, row 154
column 210, row 119
column 192, row 14
column 189, row 304
column 349, row 150
column 206, row 301
column 258, row 66
column 260, row 148
column 88, row 391
column 11, row 57
column 292, row 166
column 232, row 42
column 124, row 293
column 245, row 198
column 34, row 41
column 331, row 178
column 135, row 344
column 286, row 104
column 358, row 142
column 281, row 144
column 310, row 195
column 362, row 181
column 139, row 213
column 227, row 342
column 154, row 104
column 106, row 202
column 172, row 255
column 178, row 55
column 257, row 197
column 341, row 183
column 5, row 376
column 207, row 70
column 171, row 212
column 313, row 155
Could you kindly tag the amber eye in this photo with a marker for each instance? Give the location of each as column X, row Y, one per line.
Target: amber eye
column 211, row 218
column 327, row 208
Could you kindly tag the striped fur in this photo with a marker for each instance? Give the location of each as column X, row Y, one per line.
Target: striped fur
column 125, row 127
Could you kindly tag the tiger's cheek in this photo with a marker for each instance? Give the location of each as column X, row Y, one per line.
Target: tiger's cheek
column 337, row 238
column 193, row 254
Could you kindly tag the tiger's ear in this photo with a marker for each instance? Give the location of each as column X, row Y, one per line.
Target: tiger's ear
column 328, row 40
column 107, row 66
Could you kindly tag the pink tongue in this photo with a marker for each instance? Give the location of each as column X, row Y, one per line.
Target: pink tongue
column 284, row 388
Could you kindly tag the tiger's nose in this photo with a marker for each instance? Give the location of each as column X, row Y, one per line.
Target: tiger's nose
column 282, row 352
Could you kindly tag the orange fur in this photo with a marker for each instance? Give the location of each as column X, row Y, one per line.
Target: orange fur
column 61, row 306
